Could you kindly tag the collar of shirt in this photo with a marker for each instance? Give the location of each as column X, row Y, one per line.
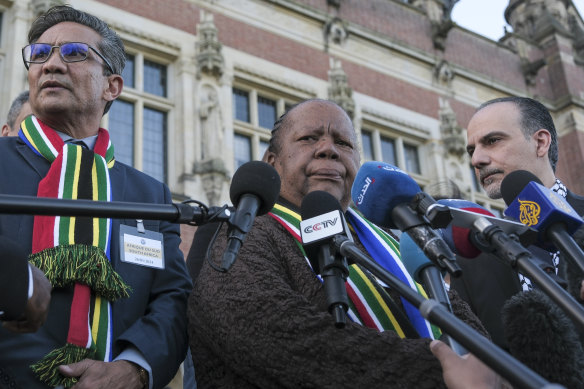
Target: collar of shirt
column 89, row 141
column 560, row 188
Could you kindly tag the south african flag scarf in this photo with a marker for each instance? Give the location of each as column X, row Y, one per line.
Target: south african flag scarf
column 73, row 252
column 370, row 304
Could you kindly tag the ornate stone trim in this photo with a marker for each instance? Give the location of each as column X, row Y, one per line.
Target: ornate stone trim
column 452, row 134
column 339, row 90
column 438, row 11
column 335, row 31
column 530, row 69
column 213, row 176
column 443, row 73
column 143, row 35
column 247, row 72
column 41, row 6
column 417, row 130
column 209, row 57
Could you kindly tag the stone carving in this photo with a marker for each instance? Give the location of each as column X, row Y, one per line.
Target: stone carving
column 578, row 33
column 211, row 123
column 439, row 12
column 530, row 69
column 535, row 19
column 339, row 90
column 452, row 135
column 335, row 31
column 443, row 73
column 209, row 58
column 214, row 176
column 41, row 6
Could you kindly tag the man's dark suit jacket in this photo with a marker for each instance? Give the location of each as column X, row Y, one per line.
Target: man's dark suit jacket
column 13, row 280
column 152, row 319
column 487, row 282
column 573, row 275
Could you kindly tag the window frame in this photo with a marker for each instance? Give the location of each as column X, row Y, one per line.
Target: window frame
column 141, row 99
column 252, row 129
column 400, row 138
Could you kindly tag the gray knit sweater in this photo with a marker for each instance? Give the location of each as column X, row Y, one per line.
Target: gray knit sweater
column 264, row 324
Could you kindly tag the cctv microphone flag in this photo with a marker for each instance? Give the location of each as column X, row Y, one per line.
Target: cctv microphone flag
column 321, row 227
column 317, row 230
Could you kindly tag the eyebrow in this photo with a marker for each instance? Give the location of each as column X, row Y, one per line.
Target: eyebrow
column 483, row 139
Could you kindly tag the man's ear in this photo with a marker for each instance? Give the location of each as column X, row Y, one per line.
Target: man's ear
column 115, row 84
column 270, row 158
column 5, row 130
column 543, row 139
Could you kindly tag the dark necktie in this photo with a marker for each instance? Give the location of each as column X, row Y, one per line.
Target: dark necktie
column 77, row 142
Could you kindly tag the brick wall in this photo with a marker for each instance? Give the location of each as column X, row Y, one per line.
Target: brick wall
column 571, row 161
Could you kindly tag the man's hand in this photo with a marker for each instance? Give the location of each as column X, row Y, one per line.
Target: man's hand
column 108, row 375
column 464, row 372
column 37, row 307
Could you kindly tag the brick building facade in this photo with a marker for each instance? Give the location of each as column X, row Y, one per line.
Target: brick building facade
column 206, row 79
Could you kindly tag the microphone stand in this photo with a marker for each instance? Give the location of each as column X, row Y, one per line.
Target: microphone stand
column 518, row 257
column 434, row 286
column 407, row 218
column 334, row 271
column 176, row 212
column 504, row 364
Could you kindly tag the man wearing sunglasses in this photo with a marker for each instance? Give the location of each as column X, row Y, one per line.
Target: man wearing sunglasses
column 117, row 316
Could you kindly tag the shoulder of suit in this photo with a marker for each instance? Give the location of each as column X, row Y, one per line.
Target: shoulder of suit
column 576, row 201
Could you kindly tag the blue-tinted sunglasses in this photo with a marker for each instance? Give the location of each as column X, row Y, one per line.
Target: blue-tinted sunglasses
column 70, row 52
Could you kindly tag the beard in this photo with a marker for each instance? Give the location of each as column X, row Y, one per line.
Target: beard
column 492, row 189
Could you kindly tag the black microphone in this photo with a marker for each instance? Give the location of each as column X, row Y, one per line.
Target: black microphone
column 535, row 205
column 254, row 190
column 543, row 338
column 322, row 220
column 390, row 198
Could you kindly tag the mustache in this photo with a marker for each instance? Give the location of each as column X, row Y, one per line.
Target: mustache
column 483, row 173
column 54, row 82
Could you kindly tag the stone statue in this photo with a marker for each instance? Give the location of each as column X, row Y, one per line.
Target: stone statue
column 211, row 124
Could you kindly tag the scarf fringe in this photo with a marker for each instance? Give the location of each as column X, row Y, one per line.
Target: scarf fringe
column 47, row 369
column 69, row 264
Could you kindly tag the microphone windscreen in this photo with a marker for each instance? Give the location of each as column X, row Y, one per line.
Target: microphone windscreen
column 412, row 257
column 378, row 188
column 541, row 336
column 317, row 203
column 259, row 179
column 458, row 238
column 515, row 182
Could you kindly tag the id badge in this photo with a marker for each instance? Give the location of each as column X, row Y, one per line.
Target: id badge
column 141, row 247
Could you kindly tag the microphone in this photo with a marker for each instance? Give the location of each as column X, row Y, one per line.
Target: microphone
column 467, row 243
column 389, row 197
column 322, row 220
column 500, row 361
column 254, row 190
column 426, row 273
column 543, row 338
column 423, row 270
column 535, row 205
column 460, row 238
